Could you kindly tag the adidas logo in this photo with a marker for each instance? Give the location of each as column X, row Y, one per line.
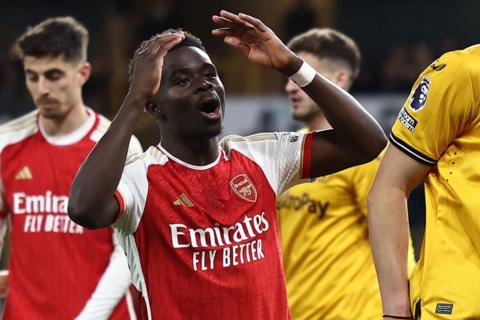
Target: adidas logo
column 183, row 201
column 24, row 174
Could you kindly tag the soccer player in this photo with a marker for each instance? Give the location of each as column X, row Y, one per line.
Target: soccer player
column 57, row 268
column 197, row 218
column 435, row 140
column 327, row 256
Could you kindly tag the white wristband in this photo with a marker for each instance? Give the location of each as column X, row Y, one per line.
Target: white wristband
column 304, row 75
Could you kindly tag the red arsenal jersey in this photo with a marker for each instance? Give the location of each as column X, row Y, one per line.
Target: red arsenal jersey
column 58, row 269
column 203, row 241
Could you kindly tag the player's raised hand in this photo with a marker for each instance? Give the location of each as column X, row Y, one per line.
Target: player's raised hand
column 257, row 41
column 148, row 64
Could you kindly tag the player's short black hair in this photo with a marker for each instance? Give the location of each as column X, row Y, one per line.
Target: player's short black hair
column 329, row 44
column 56, row 37
column 190, row 40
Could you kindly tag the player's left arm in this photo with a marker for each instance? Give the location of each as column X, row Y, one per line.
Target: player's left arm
column 112, row 287
column 355, row 138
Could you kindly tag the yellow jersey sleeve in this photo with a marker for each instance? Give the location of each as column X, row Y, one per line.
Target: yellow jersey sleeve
column 436, row 110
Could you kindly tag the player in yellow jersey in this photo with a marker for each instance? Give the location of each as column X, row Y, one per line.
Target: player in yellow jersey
column 436, row 139
column 327, row 256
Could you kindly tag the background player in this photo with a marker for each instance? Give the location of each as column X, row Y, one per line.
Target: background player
column 327, row 256
column 57, row 269
column 198, row 216
column 436, row 139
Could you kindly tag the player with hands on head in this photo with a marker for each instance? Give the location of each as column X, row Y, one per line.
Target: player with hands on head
column 198, row 214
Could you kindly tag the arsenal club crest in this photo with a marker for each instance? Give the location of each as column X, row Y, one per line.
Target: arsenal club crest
column 244, row 188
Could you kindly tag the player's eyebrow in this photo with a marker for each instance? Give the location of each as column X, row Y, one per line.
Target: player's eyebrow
column 49, row 71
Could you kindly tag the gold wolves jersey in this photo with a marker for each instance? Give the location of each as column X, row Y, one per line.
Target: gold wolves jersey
column 327, row 257
column 439, row 125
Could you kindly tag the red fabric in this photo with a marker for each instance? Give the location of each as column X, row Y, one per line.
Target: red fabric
column 121, row 203
column 218, row 288
column 54, row 265
column 307, row 156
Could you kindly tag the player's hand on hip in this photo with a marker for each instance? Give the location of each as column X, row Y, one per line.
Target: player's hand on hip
column 148, row 64
column 257, row 41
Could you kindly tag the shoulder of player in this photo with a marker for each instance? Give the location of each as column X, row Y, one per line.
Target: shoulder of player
column 18, row 129
column 152, row 155
column 251, row 138
column 454, row 63
column 102, row 127
column 237, row 142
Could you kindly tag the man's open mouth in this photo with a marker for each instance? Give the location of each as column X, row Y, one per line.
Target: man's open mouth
column 210, row 108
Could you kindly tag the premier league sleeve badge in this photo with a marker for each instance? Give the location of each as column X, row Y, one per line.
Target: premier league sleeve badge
column 419, row 97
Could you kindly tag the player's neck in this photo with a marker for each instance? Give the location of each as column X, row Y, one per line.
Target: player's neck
column 65, row 125
column 195, row 152
column 318, row 123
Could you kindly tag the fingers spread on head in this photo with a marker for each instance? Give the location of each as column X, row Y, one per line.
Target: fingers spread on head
column 164, row 44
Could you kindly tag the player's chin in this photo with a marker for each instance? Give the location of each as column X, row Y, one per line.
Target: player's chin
column 212, row 130
column 51, row 113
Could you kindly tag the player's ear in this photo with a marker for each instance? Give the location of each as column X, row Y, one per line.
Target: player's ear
column 85, row 72
column 342, row 78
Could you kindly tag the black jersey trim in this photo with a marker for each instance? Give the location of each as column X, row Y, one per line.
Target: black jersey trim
column 415, row 154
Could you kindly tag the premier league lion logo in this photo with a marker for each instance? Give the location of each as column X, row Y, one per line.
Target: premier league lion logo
column 419, row 97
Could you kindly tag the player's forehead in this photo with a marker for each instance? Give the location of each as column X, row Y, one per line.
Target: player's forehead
column 186, row 58
column 46, row 63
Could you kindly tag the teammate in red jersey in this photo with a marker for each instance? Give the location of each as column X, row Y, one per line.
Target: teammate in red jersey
column 57, row 269
column 197, row 217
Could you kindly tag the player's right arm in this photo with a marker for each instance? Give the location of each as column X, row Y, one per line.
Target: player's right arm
column 388, row 226
column 92, row 202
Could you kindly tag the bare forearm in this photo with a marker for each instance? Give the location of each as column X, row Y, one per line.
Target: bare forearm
column 91, row 195
column 350, row 122
column 388, row 227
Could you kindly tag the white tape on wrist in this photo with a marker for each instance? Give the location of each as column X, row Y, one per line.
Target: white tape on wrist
column 304, row 75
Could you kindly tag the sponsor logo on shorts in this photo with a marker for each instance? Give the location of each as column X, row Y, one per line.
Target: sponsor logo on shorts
column 419, row 97
column 407, row 120
column 444, row 308
column 244, row 188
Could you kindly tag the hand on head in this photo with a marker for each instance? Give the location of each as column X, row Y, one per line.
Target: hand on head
column 148, row 64
column 258, row 42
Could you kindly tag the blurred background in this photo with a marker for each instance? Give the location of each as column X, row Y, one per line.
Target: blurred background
column 398, row 38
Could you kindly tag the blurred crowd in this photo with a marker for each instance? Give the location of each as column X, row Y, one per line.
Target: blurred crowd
column 119, row 26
